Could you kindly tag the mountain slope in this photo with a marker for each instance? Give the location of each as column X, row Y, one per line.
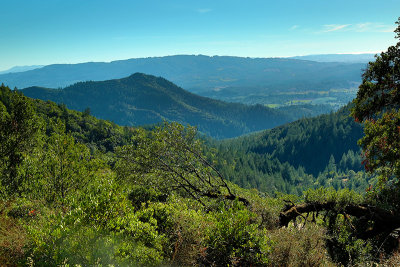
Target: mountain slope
column 312, row 152
column 201, row 73
column 310, row 142
column 144, row 99
column 20, row 69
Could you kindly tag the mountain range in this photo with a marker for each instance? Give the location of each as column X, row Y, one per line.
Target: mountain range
column 345, row 58
column 201, row 73
column 20, row 69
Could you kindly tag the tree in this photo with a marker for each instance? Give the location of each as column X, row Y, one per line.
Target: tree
column 66, row 166
column 19, row 130
column 169, row 158
column 377, row 106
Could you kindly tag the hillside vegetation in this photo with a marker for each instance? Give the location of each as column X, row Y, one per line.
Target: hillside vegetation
column 307, row 153
column 144, row 99
column 153, row 199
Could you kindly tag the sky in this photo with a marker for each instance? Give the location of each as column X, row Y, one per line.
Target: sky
column 42, row 32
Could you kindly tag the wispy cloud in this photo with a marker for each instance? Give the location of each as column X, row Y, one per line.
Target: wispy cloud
column 204, row 10
column 335, row 27
column 373, row 27
column 359, row 27
column 294, row 27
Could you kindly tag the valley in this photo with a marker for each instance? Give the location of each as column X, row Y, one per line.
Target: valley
column 174, row 158
column 274, row 82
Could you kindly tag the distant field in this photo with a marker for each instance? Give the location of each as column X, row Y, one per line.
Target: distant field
column 273, row 105
column 298, row 101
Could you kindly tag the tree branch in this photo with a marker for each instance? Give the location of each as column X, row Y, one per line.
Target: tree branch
column 384, row 221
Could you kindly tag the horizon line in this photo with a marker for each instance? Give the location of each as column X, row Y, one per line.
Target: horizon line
column 144, row 57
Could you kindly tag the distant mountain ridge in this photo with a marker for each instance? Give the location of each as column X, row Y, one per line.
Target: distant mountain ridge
column 20, row 69
column 345, row 58
column 145, row 99
column 200, row 73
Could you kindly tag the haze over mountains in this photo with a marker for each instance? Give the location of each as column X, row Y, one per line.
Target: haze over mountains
column 320, row 87
column 21, row 69
column 199, row 73
column 345, row 58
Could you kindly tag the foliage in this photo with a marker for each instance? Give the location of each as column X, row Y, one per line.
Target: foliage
column 12, row 237
column 284, row 159
column 158, row 200
column 299, row 246
column 343, row 246
column 381, row 145
column 233, row 239
column 341, row 198
column 19, row 130
column 170, row 159
column 98, row 135
column 377, row 104
column 66, row 166
column 377, row 107
column 100, row 227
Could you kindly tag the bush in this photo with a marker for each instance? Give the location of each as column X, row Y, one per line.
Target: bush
column 141, row 194
column 233, row 239
column 12, row 238
column 298, row 247
column 99, row 228
column 188, row 233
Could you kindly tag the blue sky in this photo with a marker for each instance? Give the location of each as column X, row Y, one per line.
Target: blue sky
column 41, row 32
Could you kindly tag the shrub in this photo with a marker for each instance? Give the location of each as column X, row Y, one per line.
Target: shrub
column 298, row 247
column 188, row 232
column 233, row 239
column 12, row 238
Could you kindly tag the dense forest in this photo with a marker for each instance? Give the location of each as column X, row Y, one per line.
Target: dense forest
column 79, row 191
column 296, row 156
column 142, row 99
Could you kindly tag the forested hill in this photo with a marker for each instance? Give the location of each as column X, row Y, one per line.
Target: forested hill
column 312, row 152
column 310, row 142
column 144, row 99
column 200, row 73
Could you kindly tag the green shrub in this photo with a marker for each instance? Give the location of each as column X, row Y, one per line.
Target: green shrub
column 99, row 227
column 141, row 194
column 186, row 238
column 233, row 239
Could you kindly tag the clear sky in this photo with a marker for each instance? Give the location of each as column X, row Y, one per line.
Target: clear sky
column 41, row 32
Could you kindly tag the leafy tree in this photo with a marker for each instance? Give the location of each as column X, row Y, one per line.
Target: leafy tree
column 169, row 158
column 19, row 130
column 376, row 217
column 377, row 105
column 66, row 165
